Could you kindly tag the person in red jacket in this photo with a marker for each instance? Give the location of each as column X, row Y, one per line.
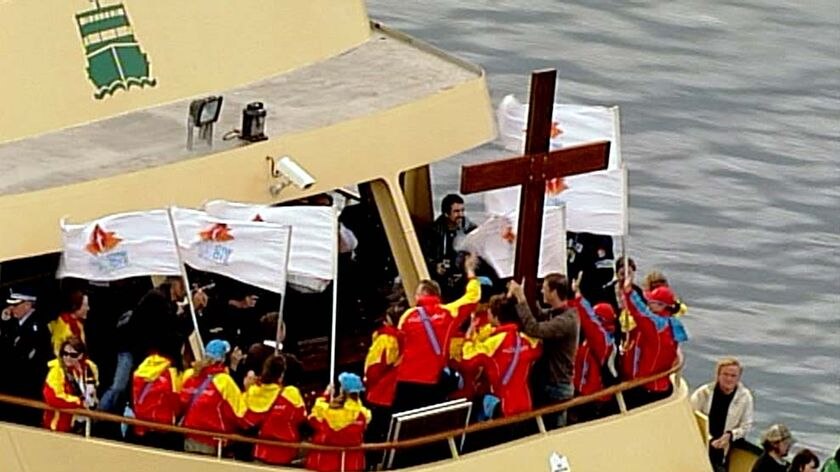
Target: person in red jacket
column 339, row 421
column 155, row 395
column 474, row 382
column 653, row 344
column 71, row 383
column 210, row 399
column 277, row 410
column 594, row 358
column 426, row 331
column 506, row 357
column 381, row 374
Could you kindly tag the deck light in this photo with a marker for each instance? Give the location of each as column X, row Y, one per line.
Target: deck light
column 253, row 122
column 203, row 114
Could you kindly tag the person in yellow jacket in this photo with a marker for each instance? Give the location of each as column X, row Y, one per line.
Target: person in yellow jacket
column 71, row 383
column 71, row 321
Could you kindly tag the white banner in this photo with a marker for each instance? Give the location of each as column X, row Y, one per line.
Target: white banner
column 594, row 201
column 119, row 246
column 495, row 242
column 251, row 252
column 314, row 231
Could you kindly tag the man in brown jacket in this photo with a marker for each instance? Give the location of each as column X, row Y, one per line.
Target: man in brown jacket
column 560, row 336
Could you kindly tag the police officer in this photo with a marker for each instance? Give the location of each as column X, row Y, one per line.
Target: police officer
column 25, row 343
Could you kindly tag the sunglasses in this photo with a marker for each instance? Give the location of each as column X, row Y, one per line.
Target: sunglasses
column 74, row 355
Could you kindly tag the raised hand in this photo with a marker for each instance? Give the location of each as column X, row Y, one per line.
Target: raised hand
column 576, row 284
column 515, row 289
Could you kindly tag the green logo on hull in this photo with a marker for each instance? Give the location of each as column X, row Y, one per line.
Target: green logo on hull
column 115, row 60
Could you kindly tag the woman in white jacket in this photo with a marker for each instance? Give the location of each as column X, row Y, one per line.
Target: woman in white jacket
column 729, row 406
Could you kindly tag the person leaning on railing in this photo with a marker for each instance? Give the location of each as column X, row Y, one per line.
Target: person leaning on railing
column 71, row 383
column 276, row 410
column 729, row 406
column 654, row 343
column 155, row 389
column 339, row 420
column 210, row 399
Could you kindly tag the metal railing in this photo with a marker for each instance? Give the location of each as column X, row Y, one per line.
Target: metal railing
column 448, row 436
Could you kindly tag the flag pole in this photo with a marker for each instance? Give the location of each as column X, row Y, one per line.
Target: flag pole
column 280, row 331
column 334, row 297
column 625, row 206
column 195, row 340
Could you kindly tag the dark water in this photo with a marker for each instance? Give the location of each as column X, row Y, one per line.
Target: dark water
column 731, row 127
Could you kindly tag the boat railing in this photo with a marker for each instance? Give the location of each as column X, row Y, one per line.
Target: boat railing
column 448, row 436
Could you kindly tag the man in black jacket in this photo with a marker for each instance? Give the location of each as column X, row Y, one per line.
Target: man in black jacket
column 26, row 348
column 440, row 246
column 160, row 322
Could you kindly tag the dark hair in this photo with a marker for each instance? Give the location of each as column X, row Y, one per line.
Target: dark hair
column 273, row 369
column 560, row 284
column 503, row 308
column 803, row 458
column 429, row 287
column 73, row 301
column 268, row 323
column 448, row 201
column 76, row 343
column 619, row 263
column 294, row 370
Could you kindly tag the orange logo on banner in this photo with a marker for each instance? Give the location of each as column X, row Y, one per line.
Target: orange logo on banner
column 555, row 186
column 219, row 232
column 101, row 241
column 555, row 130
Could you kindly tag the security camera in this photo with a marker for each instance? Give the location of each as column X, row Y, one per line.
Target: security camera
column 287, row 169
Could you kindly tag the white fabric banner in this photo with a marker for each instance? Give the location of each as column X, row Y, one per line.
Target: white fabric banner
column 495, row 241
column 314, row 230
column 119, row 246
column 251, row 252
column 594, row 201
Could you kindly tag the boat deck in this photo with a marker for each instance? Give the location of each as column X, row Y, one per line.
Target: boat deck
column 382, row 73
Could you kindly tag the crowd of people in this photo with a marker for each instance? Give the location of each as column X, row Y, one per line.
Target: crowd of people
column 466, row 334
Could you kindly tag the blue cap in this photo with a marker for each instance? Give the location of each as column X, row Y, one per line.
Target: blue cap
column 350, row 383
column 484, row 280
column 217, row 349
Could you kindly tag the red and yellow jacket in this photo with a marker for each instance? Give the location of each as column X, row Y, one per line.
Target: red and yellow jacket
column 381, row 367
column 424, row 356
column 211, row 401
column 63, row 327
column 155, row 389
column 278, row 411
column 507, row 357
column 61, row 391
column 650, row 348
column 343, row 426
column 474, row 383
column 593, row 352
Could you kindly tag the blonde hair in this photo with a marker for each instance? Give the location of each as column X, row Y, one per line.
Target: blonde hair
column 654, row 279
column 726, row 362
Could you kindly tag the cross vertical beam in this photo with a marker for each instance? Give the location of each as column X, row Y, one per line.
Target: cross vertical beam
column 532, row 198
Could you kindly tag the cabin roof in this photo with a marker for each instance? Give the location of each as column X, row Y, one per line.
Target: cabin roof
column 381, row 73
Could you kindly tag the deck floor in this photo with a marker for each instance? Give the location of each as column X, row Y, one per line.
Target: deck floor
column 381, row 73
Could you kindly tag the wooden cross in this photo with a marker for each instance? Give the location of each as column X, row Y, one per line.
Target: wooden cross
column 532, row 171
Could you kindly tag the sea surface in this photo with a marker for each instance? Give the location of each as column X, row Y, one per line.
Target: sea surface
column 731, row 128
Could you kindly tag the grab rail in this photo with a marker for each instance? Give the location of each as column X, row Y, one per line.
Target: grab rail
column 401, row 444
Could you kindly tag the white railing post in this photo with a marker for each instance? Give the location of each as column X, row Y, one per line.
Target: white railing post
column 219, row 448
column 453, row 448
column 622, row 406
column 541, row 425
column 343, row 459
